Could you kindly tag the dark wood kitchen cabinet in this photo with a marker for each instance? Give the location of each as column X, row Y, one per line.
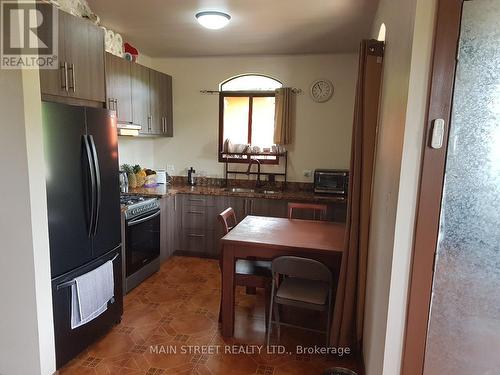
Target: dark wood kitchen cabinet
column 267, row 207
column 160, row 94
column 119, row 88
column 81, row 63
column 168, row 227
column 197, row 231
column 198, row 228
column 140, row 97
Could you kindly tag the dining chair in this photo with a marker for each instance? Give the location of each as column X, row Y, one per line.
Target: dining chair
column 305, row 283
column 249, row 273
column 314, row 207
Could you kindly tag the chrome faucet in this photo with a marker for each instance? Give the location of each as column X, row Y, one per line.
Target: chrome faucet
column 258, row 170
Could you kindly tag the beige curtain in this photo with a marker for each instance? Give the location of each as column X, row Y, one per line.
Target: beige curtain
column 284, row 116
column 347, row 325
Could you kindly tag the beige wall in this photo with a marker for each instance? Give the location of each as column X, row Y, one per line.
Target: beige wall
column 26, row 328
column 136, row 151
column 404, row 96
column 322, row 134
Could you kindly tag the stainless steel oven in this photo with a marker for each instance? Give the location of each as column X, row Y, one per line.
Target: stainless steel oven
column 142, row 239
column 331, row 181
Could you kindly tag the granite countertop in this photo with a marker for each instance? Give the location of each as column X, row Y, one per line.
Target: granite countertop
column 299, row 195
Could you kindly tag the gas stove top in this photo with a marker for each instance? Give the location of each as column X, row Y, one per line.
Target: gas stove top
column 128, row 199
column 137, row 205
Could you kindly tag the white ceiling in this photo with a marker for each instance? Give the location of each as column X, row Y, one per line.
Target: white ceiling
column 167, row 28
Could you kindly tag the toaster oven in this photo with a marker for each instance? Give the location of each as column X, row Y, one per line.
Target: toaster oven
column 331, row 181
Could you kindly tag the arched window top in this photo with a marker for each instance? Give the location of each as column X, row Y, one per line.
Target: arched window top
column 250, row 82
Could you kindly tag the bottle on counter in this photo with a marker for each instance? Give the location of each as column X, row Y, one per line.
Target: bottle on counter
column 191, row 177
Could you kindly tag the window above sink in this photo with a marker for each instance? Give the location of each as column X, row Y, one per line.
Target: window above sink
column 246, row 114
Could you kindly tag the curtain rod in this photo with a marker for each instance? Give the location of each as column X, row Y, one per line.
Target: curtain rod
column 217, row 92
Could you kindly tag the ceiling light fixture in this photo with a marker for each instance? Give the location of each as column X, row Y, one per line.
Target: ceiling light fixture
column 213, row 20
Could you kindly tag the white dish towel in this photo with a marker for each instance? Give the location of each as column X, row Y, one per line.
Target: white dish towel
column 91, row 293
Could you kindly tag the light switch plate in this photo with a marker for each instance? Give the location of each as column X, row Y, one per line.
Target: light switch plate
column 437, row 133
column 307, row 173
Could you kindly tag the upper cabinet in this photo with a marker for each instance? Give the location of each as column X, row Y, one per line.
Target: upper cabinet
column 160, row 93
column 119, row 88
column 140, row 96
column 81, row 62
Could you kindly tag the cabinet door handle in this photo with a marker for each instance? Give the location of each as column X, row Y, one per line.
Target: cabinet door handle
column 196, row 200
column 64, row 78
column 196, row 212
column 196, row 235
column 73, row 82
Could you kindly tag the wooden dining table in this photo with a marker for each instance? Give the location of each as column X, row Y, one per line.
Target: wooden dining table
column 269, row 237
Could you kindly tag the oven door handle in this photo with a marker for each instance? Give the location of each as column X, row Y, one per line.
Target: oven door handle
column 142, row 220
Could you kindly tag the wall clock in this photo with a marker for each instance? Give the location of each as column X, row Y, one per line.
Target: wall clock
column 321, row 90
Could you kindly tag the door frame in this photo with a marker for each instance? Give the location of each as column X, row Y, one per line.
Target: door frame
column 440, row 98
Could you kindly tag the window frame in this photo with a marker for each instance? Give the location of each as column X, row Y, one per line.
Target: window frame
column 250, row 94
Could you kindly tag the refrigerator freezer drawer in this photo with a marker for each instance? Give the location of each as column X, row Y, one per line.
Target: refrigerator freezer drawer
column 70, row 342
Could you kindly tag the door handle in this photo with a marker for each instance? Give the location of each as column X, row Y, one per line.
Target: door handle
column 98, row 182
column 64, row 77
column 73, row 82
column 116, row 107
column 142, row 220
column 92, row 184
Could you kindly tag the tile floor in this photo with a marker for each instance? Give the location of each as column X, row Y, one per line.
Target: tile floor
column 177, row 308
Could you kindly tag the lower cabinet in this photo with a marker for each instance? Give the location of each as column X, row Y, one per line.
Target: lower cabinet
column 168, row 225
column 190, row 225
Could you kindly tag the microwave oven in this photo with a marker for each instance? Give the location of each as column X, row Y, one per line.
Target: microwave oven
column 331, row 181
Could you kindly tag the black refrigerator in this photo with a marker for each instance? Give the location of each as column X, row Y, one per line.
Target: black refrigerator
column 83, row 200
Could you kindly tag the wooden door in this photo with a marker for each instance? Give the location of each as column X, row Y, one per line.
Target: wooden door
column 55, row 81
column 155, row 106
column 268, row 207
column 166, row 107
column 168, row 227
column 118, row 87
column 77, row 55
column 238, row 204
column 140, row 96
column 95, row 88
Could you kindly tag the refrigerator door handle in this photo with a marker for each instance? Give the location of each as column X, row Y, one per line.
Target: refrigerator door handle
column 92, row 184
column 98, row 183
